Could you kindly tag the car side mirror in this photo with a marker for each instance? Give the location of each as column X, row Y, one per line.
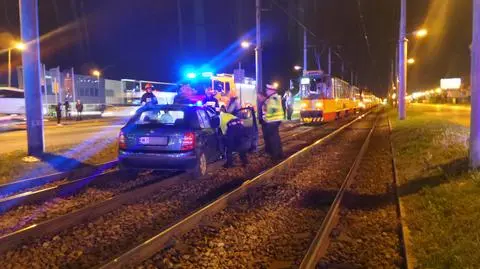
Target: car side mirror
column 215, row 122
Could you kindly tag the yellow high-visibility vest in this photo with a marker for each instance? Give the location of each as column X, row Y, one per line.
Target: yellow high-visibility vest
column 224, row 119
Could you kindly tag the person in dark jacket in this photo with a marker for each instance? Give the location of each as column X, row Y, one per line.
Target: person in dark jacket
column 148, row 97
column 236, row 137
column 58, row 110
column 79, row 107
column 67, row 109
column 210, row 99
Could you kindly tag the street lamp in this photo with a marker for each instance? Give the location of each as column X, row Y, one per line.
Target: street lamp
column 411, row 61
column 245, row 44
column 97, row 73
column 421, row 33
column 297, row 68
column 18, row 46
column 276, row 85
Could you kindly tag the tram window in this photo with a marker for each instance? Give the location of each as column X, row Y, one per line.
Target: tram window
column 227, row 87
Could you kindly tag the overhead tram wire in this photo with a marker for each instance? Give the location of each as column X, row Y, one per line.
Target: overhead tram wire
column 295, row 19
column 364, row 28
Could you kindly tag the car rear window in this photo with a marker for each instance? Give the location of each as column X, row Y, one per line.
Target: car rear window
column 172, row 117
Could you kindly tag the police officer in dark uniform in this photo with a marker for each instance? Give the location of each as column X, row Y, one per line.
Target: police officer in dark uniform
column 236, row 137
column 148, row 97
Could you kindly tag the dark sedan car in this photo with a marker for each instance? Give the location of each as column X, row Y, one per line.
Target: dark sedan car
column 173, row 137
column 170, row 137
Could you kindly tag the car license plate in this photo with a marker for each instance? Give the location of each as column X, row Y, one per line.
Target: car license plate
column 154, row 141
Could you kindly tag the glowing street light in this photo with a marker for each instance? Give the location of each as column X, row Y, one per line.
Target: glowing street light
column 297, row 68
column 245, row 44
column 421, row 33
column 276, row 85
column 96, row 73
column 18, row 46
column 411, row 61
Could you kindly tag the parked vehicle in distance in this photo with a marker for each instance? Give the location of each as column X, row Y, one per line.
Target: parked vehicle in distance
column 172, row 137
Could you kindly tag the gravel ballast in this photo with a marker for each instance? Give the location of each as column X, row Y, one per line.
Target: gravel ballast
column 367, row 235
column 273, row 226
column 90, row 244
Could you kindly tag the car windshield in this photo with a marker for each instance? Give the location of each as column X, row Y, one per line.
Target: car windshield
column 173, row 117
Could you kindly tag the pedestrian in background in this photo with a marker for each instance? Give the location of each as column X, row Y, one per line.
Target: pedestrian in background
column 67, row 110
column 284, row 107
column 79, row 107
column 288, row 97
column 58, row 110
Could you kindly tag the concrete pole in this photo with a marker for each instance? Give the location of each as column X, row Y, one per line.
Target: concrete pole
column 31, row 70
column 9, row 67
column 402, row 63
column 258, row 49
column 305, row 51
column 475, row 81
column 330, row 61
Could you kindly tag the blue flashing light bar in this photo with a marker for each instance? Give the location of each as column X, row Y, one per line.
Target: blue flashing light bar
column 191, row 75
column 207, row 74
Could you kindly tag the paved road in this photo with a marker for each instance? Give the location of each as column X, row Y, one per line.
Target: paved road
column 458, row 114
column 61, row 136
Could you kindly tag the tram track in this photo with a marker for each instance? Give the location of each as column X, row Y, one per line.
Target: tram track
column 137, row 219
column 226, row 232
column 104, row 184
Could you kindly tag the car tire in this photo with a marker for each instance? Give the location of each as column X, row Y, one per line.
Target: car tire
column 200, row 169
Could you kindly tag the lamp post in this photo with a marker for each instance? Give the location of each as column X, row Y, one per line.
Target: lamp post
column 97, row 74
column 18, row 46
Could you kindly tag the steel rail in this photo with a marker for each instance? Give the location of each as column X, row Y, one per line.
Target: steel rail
column 148, row 248
column 319, row 245
column 60, row 223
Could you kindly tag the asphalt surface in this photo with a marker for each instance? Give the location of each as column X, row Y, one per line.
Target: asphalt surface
column 71, row 133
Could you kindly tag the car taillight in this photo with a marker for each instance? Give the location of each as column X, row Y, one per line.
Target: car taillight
column 188, row 142
column 122, row 144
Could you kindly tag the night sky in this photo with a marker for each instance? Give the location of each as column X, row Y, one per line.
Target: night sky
column 140, row 39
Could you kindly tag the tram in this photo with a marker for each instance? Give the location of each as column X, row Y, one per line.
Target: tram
column 325, row 98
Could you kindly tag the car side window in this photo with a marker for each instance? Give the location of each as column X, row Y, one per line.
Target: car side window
column 203, row 119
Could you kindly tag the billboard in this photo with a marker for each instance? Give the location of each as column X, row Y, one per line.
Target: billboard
column 450, row 83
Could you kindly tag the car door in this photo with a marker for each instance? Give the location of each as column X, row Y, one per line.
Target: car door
column 210, row 135
column 248, row 116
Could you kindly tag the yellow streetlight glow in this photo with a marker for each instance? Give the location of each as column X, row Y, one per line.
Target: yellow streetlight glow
column 20, row 46
column 276, row 85
column 421, row 33
column 96, row 73
column 411, row 61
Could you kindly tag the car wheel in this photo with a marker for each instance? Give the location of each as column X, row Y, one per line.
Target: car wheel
column 200, row 170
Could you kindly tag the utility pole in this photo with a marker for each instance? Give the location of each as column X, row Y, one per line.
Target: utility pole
column 330, row 61
column 402, row 63
column 258, row 49
column 9, row 67
column 180, row 25
column 351, row 78
column 475, row 81
column 305, row 51
column 31, row 69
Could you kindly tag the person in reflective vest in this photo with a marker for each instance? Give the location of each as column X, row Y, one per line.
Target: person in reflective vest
column 236, row 137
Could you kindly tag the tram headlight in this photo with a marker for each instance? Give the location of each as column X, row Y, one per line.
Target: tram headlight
column 319, row 105
column 303, row 106
column 361, row 105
